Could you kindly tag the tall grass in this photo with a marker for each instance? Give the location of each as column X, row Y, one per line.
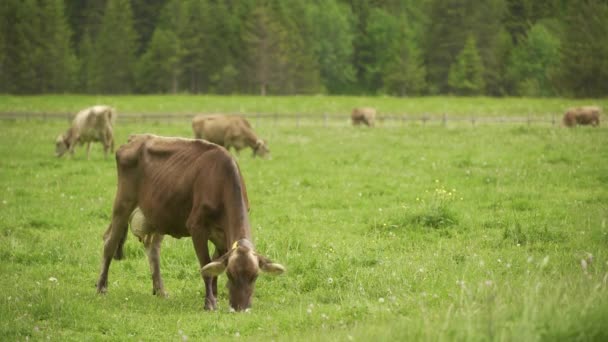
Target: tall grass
column 374, row 246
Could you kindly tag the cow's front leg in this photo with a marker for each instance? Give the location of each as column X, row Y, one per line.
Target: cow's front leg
column 152, row 243
column 202, row 253
column 88, row 149
column 112, row 239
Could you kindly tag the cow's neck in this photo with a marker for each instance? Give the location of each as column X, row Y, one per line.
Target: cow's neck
column 237, row 216
column 250, row 138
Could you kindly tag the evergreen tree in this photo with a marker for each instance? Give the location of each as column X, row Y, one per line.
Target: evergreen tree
column 58, row 70
column 145, row 17
column 115, row 49
column 89, row 68
column 157, row 70
column 333, row 45
column 194, row 46
column 466, row 73
column 404, row 73
column 382, row 39
column 584, row 58
column 533, row 62
column 22, row 52
column 223, row 40
column 299, row 70
column 263, row 37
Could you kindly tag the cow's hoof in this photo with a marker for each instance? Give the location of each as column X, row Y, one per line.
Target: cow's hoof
column 210, row 305
column 119, row 255
column 160, row 293
column 102, row 290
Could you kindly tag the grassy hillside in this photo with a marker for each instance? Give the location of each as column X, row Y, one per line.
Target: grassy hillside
column 413, row 233
column 332, row 105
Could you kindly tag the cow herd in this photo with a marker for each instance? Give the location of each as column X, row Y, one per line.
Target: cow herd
column 193, row 187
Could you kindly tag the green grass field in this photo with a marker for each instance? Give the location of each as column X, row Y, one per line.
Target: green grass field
column 388, row 234
column 310, row 105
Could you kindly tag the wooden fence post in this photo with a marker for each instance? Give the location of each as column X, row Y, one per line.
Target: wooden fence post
column 444, row 120
column 325, row 120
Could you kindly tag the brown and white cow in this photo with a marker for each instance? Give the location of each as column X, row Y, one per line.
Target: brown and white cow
column 94, row 124
column 586, row 115
column 363, row 115
column 229, row 131
column 186, row 187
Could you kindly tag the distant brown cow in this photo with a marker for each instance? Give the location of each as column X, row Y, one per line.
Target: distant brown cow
column 185, row 187
column 587, row 115
column 94, row 124
column 229, row 131
column 364, row 115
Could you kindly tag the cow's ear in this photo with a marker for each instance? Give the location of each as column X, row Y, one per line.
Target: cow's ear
column 213, row 269
column 270, row 267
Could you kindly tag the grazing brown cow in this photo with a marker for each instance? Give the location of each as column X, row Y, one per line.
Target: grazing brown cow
column 364, row 115
column 185, row 187
column 587, row 115
column 90, row 125
column 229, row 131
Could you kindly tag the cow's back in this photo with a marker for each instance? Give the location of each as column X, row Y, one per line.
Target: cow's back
column 92, row 123
column 215, row 127
column 165, row 174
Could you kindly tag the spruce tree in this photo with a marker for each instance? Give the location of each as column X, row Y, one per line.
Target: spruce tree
column 58, row 70
column 263, row 37
column 584, row 58
column 533, row 62
column 332, row 34
column 404, row 73
column 466, row 73
column 157, row 70
column 115, row 48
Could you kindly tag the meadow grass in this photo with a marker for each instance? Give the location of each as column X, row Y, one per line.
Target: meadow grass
column 410, row 233
column 309, row 105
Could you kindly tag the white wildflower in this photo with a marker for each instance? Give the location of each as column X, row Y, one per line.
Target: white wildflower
column 545, row 261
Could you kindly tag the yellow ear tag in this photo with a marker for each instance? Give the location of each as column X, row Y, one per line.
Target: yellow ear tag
column 235, row 244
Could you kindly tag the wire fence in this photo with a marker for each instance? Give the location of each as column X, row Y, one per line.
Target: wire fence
column 312, row 120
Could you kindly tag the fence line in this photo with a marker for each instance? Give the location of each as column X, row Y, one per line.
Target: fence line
column 305, row 120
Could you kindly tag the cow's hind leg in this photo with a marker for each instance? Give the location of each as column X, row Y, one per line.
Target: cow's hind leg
column 115, row 234
column 152, row 243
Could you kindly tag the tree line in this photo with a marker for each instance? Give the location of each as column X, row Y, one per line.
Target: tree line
column 393, row 47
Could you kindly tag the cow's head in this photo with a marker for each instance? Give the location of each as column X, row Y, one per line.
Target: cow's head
column 242, row 266
column 261, row 149
column 62, row 145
